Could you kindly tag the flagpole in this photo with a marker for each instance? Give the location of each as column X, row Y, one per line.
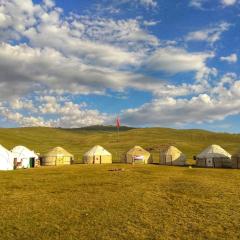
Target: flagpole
column 118, row 134
column 118, row 126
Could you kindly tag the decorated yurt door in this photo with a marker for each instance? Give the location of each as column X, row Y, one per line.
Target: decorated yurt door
column 209, row 162
column 138, row 159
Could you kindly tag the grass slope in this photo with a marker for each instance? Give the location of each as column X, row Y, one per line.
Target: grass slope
column 143, row 202
column 78, row 141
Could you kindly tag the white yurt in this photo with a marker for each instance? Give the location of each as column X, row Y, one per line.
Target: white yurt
column 56, row 157
column 172, row 156
column 6, row 159
column 214, row 156
column 138, row 155
column 97, row 155
column 24, row 157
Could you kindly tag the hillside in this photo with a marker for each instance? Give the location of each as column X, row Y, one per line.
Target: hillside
column 109, row 128
column 79, row 141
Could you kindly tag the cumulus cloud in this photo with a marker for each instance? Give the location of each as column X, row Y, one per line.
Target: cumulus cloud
column 21, row 71
column 148, row 3
column 210, row 35
column 176, row 60
column 84, row 37
column 228, row 2
column 89, row 55
column 233, row 58
column 196, row 3
column 219, row 102
column 199, row 4
column 144, row 3
column 51, row 111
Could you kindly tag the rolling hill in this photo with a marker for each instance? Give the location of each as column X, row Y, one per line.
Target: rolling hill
column 80, row 140
column 139, row 202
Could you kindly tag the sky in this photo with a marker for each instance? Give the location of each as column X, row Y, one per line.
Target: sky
column 153, row 63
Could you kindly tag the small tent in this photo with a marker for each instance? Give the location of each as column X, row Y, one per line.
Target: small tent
column 214, row 156
column 97, row 155
column 57, row 156
column 138, row 155
column 6, row 159
column 24, row 157
column 172, row 156
column 236, row 160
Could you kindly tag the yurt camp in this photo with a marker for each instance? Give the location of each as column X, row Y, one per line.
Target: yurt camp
column 236, row 160
column 97, row 155
column 24, row 157
column 214, row 156
column 172, row 156
column 6, row 159
column 56, row 157
column 138, row 155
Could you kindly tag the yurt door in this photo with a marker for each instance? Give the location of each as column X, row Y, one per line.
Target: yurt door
column 32, row 162
column 59, row 160
column 209, row 162
column 97, row 159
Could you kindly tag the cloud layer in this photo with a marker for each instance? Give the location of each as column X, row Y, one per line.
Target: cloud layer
column 48, row 58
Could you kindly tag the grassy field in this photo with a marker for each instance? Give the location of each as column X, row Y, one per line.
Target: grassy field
column 78, row 141
column 142, row 202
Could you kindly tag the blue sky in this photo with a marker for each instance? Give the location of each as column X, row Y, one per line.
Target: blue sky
column 73, row 63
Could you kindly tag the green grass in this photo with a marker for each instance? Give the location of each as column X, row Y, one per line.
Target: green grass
column 142, row 202
column 78, row 141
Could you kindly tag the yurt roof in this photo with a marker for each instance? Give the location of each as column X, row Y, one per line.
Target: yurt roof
column 214, row 151
column 97, row 150
column 58, row 151
column 22, row 150
column 137, row 150
column 172, row 150
column 5, row 153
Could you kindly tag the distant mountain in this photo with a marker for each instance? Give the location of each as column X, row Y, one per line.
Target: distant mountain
column 109, row 128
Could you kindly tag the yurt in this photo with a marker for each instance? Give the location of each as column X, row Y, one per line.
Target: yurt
column 24, row 157
column 56, row 157
column 97, row 155
column 214, row 157
column 6, row 159
column 236, row 160
column 172, row 156
column 138, row 155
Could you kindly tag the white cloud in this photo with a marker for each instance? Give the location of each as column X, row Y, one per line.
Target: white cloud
column 216, row 104
column 49, row 3
column 233, row 58
column 228, row 2
column 200, row 3
column 62, row 112
column 210, row 35
column 100, row 41
column 150, row 23
column 148, row 3
column 144, row 3
column 197, row 3
column 83, row 54
column 18, row 104
column 21, row 72
column 176, row 60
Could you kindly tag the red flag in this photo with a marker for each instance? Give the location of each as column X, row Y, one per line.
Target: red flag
column 118, row 122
